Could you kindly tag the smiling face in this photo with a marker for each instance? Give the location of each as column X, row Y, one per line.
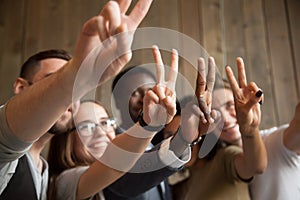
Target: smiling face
column 95, row 128
column 132, row 89
column 230, row 131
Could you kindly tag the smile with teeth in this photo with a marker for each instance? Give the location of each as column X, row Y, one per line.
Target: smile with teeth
column 98, row 144
column 230, row 126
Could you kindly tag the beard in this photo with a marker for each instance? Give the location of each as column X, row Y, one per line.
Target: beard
column 58, row 128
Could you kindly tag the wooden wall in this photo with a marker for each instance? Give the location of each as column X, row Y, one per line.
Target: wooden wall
column 264, row 32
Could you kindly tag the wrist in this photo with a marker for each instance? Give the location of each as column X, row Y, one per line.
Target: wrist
column 249, row 132
column 188, row 143
column 147, row 127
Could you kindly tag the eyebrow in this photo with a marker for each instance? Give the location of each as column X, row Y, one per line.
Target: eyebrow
column 101, row 118
column 85, row 121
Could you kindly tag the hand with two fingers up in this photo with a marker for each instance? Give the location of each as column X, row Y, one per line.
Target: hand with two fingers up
column 159, row 105
column 247, row 98
column 197, row 116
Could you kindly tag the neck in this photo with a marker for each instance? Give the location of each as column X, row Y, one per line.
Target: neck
column 37, row 148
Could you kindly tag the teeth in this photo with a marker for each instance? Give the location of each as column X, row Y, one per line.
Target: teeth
column 229, row 126
column 97, row 145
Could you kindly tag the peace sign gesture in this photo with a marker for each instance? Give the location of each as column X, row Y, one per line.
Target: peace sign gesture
column 104, row 45
column 160, row 103
column 246, row 99
column 197, row 117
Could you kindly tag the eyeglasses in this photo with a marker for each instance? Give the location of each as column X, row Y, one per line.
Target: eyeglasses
column 90, row 128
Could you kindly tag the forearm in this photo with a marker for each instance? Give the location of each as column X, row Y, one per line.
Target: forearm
column 253, row 160
column 118, row 158
column 32, row 112
column 291, row 137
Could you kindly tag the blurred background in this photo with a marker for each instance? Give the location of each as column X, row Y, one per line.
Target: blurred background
column 266, row 33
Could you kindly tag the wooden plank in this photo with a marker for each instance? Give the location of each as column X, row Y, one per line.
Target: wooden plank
column 33, row 28
column 294, row 15
column 11, row 45
column 281, row 60
column 234, row 35
column 72, row 23
column 169, row 14
column 190, row 26
column 213, row 33
column 256, row 60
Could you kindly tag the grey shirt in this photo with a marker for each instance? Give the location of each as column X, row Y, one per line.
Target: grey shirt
column 11, row 149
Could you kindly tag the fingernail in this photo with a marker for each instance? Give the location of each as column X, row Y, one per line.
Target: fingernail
column 258, row 93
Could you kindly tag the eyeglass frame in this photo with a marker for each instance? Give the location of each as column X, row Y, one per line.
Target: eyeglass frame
column 91, row 126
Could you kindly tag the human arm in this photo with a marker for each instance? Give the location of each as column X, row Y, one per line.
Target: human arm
column 291, row 136
column 253, row 160
column 197, row 118
column 121, row 154
column 47, row 99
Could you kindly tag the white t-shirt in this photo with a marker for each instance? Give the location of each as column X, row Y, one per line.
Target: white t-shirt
column 281, row 179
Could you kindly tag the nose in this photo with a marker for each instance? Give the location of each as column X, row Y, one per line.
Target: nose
column 227, row 117
column 141, row 95
column 99, row 132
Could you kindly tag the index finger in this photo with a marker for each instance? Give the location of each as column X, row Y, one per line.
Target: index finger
column 111, row 14
column 124, row 5
column 160, row 73
column 201, row 78
column 139, row 12
column 232, row 81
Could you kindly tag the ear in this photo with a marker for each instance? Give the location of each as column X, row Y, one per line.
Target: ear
column 20, row 84
column 74, row 107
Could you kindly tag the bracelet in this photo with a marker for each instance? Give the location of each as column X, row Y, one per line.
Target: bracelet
column 146, row 126
column 193, row 143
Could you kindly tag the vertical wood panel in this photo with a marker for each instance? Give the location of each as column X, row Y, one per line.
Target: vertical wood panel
column 281, row 60
column 12, row 26
column 212, row 27
column 265, row 32
column 256, row 60
column 33, row 28
column 234, row 33
column 190, row 26
column 294, row 16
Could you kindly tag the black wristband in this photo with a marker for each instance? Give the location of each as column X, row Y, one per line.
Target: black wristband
column 146, row 126
column 193, row 143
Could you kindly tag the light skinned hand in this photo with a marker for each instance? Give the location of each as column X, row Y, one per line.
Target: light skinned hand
column 160, row 103
column 246, row 99
column 112, row 32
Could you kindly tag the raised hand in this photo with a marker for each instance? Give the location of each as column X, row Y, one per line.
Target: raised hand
column 246, row 99
column 197, row 117
column 160, row 103
column 112, row 32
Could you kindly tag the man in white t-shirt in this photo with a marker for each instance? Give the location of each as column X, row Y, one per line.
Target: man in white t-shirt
column 281, row 179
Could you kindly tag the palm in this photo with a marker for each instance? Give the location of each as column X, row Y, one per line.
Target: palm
column 246, row 97
column 159, row 103
column 109, row 35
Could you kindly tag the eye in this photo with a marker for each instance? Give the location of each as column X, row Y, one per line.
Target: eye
column 135, row 93
column 103, row 123
column 230, row 105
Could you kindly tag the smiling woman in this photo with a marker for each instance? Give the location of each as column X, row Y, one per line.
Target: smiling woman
column 71, row 150
column 95, row 128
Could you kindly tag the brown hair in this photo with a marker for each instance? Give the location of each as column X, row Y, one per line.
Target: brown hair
column 32, row 65
column 62, row 156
